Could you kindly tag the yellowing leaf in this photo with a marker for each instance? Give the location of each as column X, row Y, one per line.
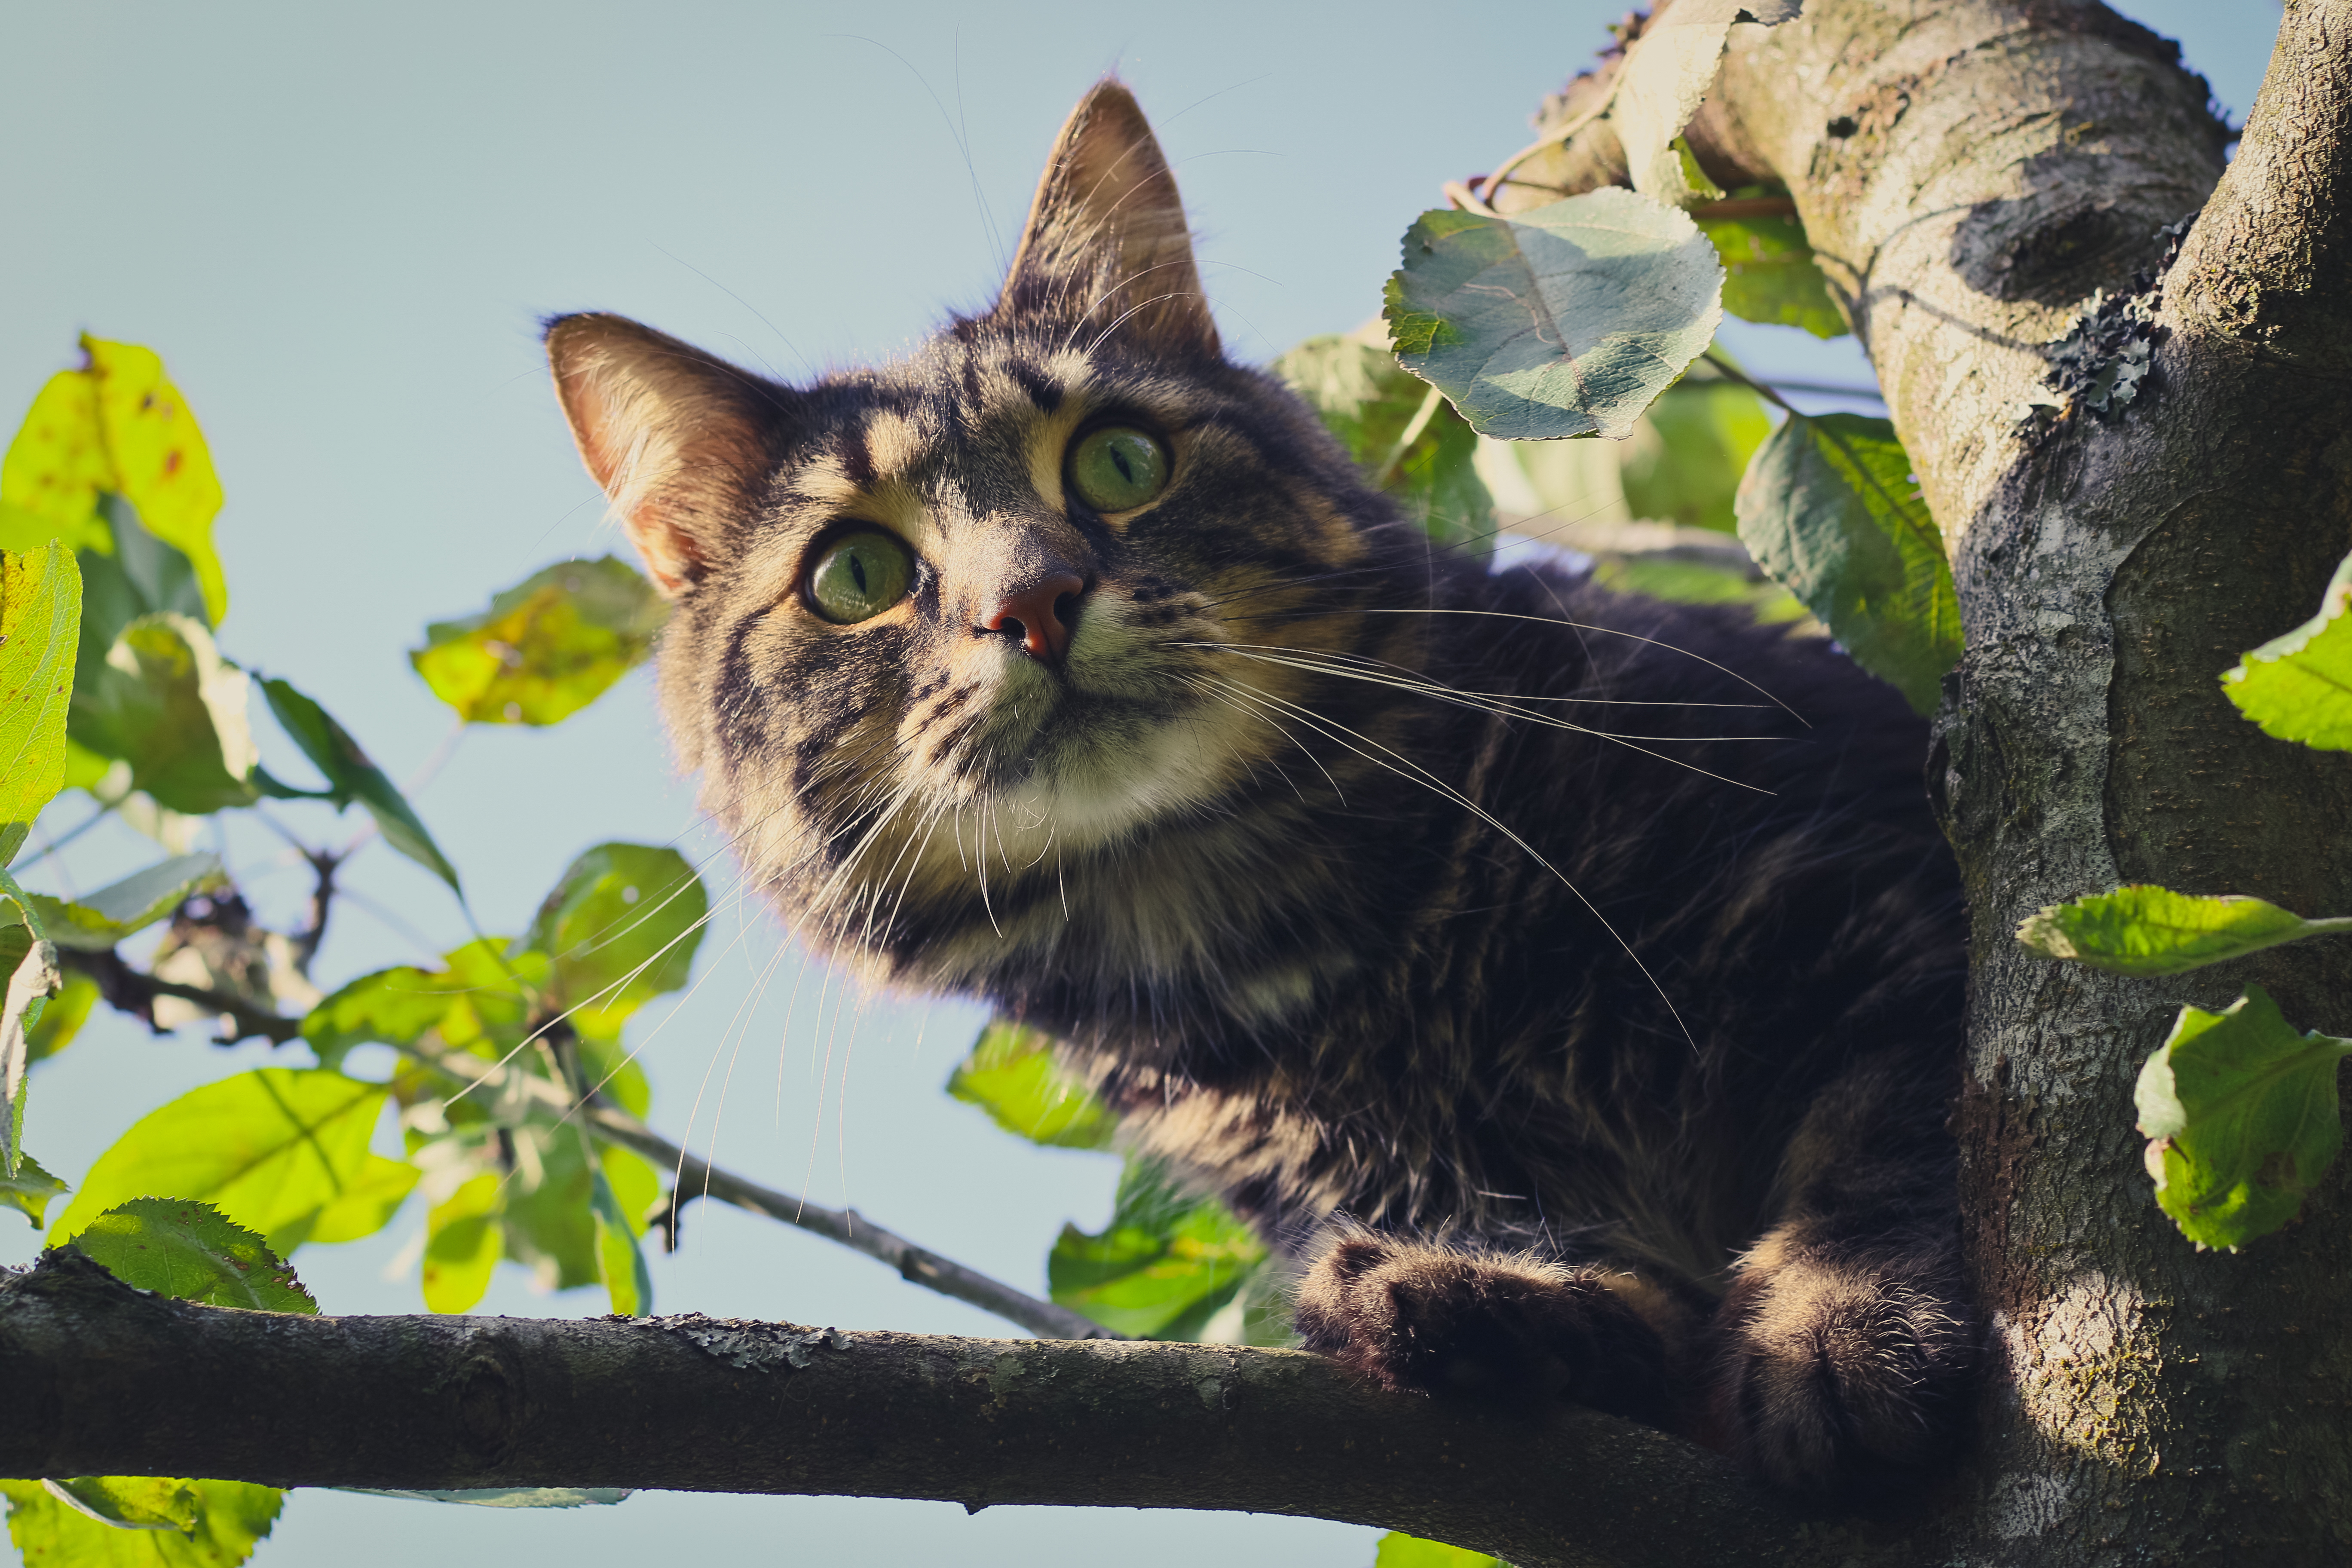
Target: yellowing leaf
column 161, row 465
column 40, row 630
column 546, row 647
column 55, row 467
column 1399, row 1549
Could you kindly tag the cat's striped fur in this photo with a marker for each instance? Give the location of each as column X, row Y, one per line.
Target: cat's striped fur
column 1625, row 1060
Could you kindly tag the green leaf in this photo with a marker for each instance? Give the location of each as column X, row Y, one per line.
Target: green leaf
column 462, row 1242
column 508, row 1496
column 1769, row 275
column 546, row 647
column 276, row 1149
column 161, row 465
column 1399, row 1549
column 2242, row 1111
column 40, row 630
column 1371, row 403
column 98, row 920
column 29, row 1192
column 1012, row 1075
column 55, row 467
column 227, row 1520
column 62, row 1017
column 1565, row 320
column 166, row 702
column 1829, row 507
column 2298, row 687
column 195, row 1253
column 131, row 1503
column 622, row 925
column 352, row 775
column 620, row 1261
column 2148, row 930
column 1688, row 452
column 1165, row 1264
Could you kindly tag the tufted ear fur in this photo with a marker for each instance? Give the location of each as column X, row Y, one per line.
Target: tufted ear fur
column 678, row 440
column 1106, row 244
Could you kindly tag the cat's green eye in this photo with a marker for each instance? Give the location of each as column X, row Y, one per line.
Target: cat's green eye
column 860, row 575
column 1117, row 468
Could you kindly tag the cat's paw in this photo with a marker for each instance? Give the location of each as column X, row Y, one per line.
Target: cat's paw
column 1512, row 1329
column 1835, row 1373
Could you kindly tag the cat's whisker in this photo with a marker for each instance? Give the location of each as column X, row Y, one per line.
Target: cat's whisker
column 1405, row 768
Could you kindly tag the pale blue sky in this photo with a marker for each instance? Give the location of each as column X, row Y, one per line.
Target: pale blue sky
column 340, row 225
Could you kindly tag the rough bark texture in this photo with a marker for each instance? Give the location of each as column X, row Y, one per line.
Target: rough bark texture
column 1971, row 173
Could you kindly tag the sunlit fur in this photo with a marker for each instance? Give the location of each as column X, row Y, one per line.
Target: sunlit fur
column 1319, row 852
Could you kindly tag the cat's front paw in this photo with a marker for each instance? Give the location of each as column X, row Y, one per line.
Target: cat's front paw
column 1841, row 1371
column 1434, row 1320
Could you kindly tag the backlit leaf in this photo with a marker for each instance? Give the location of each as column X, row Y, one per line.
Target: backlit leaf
column 1165, row 1265
column 2298, row 687
column 622, row 925
column 546, row 647
column 2147, row 930
column 274, row 1149
column 29, row 963
column 229, row 1518
column 1371, row 403
column 161, row 465
column 2242, row 1111
column 461, row 1246
column 56, row 466
column 1769, row 274
column 29, row 1192
column 352, row 775
column 63, row 1016
column 192, row 1251
column 1684, row 462
column 1830, row 508
column 166, row 702
column 1399, row 1549
column 96, row 921
column 1567, row 320
column 1012, row 1075
column 620, row 1261
column 40, row 632
column 131, row 1503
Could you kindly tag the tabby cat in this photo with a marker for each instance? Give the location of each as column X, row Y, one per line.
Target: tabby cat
column 1070, row 666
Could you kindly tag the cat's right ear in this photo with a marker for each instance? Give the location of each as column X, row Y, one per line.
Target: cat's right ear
column 677, row 439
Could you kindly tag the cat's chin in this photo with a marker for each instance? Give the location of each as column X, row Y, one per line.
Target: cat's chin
column 1100, row 774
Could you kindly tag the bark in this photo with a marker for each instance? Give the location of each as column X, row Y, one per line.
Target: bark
column 1971, row 171
column 1969, row 174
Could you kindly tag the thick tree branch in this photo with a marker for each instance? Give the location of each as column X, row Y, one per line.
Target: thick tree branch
column 103, row 1379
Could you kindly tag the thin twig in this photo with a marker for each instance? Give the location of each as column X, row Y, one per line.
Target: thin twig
column 1559, row 136
column 1412, row 429
column 127, row 990
column 1733, row 372
column 323, row 894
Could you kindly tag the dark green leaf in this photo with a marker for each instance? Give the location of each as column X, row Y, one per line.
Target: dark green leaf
column 2242, row 1111
column 96, row 921
column 1565, row 320
column 1684, row 462
column 195, row 1253
column 2298, row 687
column 1830, row 508
column 29, row 1192
column 622, row 926
column 1165, row 1264
column 1012, row 1075
column 1372, row 405
column 229, row 1519
column 1770, row 275
column 40, row 625
column 546, row 647
column 163, row 701
column 2147, row 930
column 350, row 775
column 282, row 1151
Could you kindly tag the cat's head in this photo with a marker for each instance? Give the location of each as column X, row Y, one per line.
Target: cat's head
column 953, row 640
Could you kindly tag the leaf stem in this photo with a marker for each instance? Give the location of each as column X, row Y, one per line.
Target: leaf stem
column 1412, row 429
column 1733, row 372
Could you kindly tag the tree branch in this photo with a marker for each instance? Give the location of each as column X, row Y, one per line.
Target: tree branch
column 127, row 990
column 104, row 1379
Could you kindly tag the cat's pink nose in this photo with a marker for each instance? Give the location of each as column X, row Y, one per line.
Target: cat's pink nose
column 1041, row 616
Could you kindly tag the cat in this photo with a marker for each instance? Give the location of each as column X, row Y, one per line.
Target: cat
column 1068, row 665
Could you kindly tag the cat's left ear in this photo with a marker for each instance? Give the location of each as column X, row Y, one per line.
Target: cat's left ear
column 676, row 438
column 1106, row 244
